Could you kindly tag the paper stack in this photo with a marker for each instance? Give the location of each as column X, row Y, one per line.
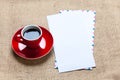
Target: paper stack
column 73, row 33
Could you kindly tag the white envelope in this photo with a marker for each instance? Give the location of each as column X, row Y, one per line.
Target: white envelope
column 73, row 39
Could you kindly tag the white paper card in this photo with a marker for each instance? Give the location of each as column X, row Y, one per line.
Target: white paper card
column 73, row 40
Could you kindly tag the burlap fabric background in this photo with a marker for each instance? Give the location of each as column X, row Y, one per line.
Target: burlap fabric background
column 15, row 13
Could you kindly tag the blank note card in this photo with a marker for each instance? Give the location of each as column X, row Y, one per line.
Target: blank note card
column 73, row 39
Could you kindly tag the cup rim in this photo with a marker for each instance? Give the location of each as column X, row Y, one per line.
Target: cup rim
column 37, row 26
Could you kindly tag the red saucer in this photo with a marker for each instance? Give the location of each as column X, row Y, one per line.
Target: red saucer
column 43, row 49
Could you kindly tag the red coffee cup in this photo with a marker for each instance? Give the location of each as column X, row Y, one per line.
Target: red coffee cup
column 32, row 42
column 30, row 36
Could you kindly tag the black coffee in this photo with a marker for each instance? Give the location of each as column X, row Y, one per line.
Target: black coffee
column 31, row 34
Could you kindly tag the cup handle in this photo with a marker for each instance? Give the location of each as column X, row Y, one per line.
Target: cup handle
column 19, row 38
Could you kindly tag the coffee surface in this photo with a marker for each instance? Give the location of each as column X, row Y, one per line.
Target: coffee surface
column 31, row 34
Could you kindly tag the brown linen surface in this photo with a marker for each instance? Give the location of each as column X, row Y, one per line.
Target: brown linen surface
column 15, row 13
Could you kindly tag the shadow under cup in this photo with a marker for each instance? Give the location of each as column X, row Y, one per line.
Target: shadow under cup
column 31, row 35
